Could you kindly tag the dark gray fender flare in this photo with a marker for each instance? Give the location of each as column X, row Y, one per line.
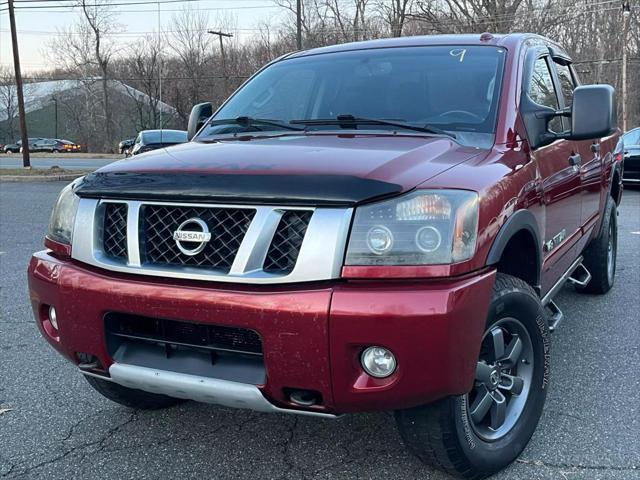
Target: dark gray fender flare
column 520, row 220
column 616, row 168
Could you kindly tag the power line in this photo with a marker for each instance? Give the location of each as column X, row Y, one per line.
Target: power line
column 90, row 5
column 66, row 8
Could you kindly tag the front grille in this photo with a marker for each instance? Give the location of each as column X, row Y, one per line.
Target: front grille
column 172, row 333
column 114, row 239
column 226, row 225
column 209, row 242
column 285, row 246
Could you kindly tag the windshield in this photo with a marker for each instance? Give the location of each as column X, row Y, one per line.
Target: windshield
column 632, row 138
column 167, row 136
column 453, row 88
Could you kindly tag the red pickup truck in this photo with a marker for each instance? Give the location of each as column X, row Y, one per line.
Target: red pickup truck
column 370, row 226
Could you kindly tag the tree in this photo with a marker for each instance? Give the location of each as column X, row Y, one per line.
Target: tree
column 192, row 47
column 85, row 48
column 8, row 103
column 141, row 68
column 395, row 14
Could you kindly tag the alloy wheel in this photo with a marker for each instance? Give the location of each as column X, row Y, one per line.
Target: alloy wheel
column 503, row 379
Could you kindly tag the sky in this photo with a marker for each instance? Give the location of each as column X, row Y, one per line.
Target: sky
column 36, row 27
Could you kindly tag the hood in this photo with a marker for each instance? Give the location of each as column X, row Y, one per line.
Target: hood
column 288, row 169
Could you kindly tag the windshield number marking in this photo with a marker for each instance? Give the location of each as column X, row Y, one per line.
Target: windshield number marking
column 458, row 52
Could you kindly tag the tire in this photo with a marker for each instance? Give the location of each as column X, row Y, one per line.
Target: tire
column 445, row 435
column 601, row 255
column 130, row 397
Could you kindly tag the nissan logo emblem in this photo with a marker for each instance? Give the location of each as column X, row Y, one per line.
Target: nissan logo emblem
column 200, row 236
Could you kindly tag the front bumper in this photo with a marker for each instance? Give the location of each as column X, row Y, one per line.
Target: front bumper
column 312, row 334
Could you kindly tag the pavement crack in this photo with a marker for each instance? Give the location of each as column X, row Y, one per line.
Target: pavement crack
column 82, row 448
column 286, row 451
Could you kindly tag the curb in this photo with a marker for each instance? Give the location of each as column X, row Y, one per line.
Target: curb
column 40, row 178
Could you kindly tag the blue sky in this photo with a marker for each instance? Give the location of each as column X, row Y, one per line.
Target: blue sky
column 37, row 27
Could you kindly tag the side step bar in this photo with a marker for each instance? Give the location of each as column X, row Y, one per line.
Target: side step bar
column 556, row 315
column 577, row 274
column 580, row 276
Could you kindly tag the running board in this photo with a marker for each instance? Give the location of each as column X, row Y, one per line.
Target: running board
column 556, row 315
column 577, row 274
column 580, row 276
column 558, row 285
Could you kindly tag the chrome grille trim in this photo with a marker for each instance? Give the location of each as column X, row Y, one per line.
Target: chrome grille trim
column 227, row 227
column 115, row 223
column 320, row 258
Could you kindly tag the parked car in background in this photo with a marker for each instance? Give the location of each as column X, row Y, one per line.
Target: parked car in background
column 12, row 147
column 34, row 143
column 67, row 146
column 631, row 172
column 124, row 147
column 52, row 145
column 148, row 140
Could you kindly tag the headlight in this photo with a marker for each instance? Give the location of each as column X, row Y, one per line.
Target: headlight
column 64, row 216
column 425, row 227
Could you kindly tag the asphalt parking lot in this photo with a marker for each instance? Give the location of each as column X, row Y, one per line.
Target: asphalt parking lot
column 54, row 426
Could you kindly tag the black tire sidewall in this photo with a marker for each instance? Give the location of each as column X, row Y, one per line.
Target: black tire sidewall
column 596, row 255
column 486, row 456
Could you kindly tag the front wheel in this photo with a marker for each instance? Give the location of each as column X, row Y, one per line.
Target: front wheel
column 478, row 434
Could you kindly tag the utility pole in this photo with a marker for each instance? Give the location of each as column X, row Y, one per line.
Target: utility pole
column 224, row 59
column 299, row 24
column 26, row 163
column 159, row 73
column 55, row 115
column 626, row 13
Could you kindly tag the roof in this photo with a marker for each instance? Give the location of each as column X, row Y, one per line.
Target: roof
column 39, row 95
column 495, row 39
column 163, row 130
column 415, row 41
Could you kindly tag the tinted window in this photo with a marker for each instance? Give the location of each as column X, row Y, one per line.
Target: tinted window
column 543, row 92
column 567, row 85
column 454, row 88
column 164, row 136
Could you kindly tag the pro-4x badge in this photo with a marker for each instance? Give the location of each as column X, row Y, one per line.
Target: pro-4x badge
column 555, row 241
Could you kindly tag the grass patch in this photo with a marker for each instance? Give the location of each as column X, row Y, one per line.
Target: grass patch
column 43, row 172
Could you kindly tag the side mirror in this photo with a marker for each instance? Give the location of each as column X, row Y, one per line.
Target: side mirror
column 199, row 114
column 593, row 112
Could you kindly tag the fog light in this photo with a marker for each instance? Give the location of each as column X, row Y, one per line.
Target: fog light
column 53, row 317
column 378, row 362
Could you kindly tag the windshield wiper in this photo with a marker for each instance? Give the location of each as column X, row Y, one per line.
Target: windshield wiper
column 254, row 122
column 349, row 121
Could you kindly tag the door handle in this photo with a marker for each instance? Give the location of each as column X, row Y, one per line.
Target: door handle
column 575, row 160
